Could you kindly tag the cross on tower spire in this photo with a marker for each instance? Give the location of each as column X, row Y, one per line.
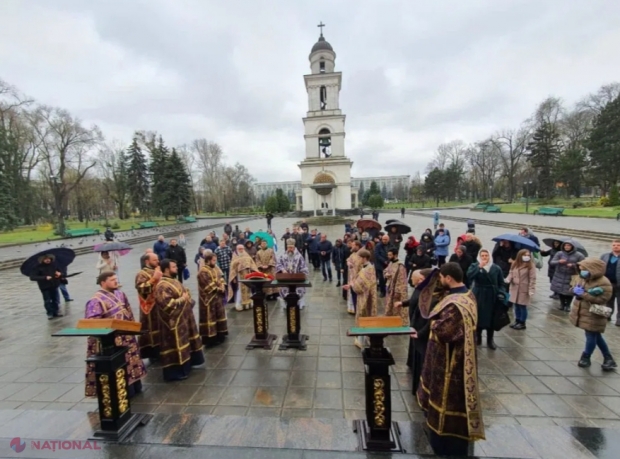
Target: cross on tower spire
column 321, row 25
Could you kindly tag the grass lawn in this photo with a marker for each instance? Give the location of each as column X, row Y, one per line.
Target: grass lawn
column 26, row 234
column 601, row 212
column 427, row 204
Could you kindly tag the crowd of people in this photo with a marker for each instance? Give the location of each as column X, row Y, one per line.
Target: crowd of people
column 460, row 292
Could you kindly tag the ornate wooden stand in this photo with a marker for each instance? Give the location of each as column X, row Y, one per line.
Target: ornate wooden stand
column 262, row 337
column 293, row 339
column 377, row 432
column 117, row 421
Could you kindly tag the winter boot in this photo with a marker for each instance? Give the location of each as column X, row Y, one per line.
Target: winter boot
column 609, row 364
column 490, row 343
column 584, row 362
column 520, row 326
column 516, row 324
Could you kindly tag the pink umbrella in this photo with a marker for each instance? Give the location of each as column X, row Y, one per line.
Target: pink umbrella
column 103, row 248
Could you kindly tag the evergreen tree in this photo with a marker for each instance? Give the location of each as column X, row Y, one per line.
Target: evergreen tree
column 604, row 145
column 271, row 204
column 374, row 188
column 137, row 178
column 284, row 205
column 176, row 194
column 159, row 184
column 544, row 152
column 434, row 185
column 375, row 201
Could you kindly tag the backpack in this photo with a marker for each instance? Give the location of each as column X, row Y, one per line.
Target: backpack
column 538, row 259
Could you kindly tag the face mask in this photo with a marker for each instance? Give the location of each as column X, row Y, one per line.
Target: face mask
column 525, row 258
column 584, row 274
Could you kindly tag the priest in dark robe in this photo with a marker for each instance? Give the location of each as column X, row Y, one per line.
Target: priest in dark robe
column 448, row 391
column 180, row 343
column 110, row 303
column 365, row 287
column 146, row 280
column 395, row 275
column 212, row 321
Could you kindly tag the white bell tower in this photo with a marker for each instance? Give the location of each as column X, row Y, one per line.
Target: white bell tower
column 325, row 171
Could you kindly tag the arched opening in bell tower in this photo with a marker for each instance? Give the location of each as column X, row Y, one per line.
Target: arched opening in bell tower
column 323, row 97
column 325, row 143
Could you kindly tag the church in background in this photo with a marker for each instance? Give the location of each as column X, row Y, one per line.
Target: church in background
column 326, row 184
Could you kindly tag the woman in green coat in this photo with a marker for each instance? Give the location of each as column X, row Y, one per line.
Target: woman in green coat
column 486, row 281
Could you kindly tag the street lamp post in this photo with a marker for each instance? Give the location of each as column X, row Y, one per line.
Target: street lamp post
column 527, row 197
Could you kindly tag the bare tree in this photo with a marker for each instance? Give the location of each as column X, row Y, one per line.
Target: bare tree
column 594, row 103
column 512, row 145
column 210, row 158
column 65, row 145
column 485, row 159
column 113, row 166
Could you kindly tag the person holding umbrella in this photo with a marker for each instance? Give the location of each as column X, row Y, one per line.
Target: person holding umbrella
column 565, row 262
column 48, row 276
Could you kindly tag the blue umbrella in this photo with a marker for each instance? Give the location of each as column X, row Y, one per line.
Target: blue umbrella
column 63, row 257
column 523, row 241
column 263, row 236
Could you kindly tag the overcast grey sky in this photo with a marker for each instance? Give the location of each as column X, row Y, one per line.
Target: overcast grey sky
column 415, row 73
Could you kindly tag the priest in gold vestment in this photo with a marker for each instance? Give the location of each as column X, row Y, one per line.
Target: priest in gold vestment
column 448, row 391
column 212, row 321
column 146, row 280
column 354, row 265
column 365, row 288
column 395, row 276
column 266, row 262
column 181, row 346
column 241, row 264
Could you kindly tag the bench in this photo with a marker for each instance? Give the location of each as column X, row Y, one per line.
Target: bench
column 493, row 209
column 187, row 220
column 557, row 211
column 82, row 232
column 146, row 225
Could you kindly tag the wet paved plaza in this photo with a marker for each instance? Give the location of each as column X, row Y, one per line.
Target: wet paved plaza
column 535, row 398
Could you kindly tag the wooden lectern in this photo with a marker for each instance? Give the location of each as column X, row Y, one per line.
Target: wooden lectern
column 262, row 337
column 117, row 421
column 377, row 432
column 293, row 339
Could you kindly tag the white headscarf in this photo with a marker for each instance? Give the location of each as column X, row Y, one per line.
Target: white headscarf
column 486, row 267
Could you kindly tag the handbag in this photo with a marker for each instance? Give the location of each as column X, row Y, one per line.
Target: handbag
column 601, row 310
column 185, row 273
column 501, row 318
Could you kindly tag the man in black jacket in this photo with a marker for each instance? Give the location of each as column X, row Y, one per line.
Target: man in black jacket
column 176, row 253
column 48, row 276
column 381, row 262
column 325, row 256
column 338, row 258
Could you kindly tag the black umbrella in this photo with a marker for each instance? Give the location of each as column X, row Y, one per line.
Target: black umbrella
column 63, row 257
column 401, row 228
column 562, row 239
column 387, row 222
column 112, row 247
